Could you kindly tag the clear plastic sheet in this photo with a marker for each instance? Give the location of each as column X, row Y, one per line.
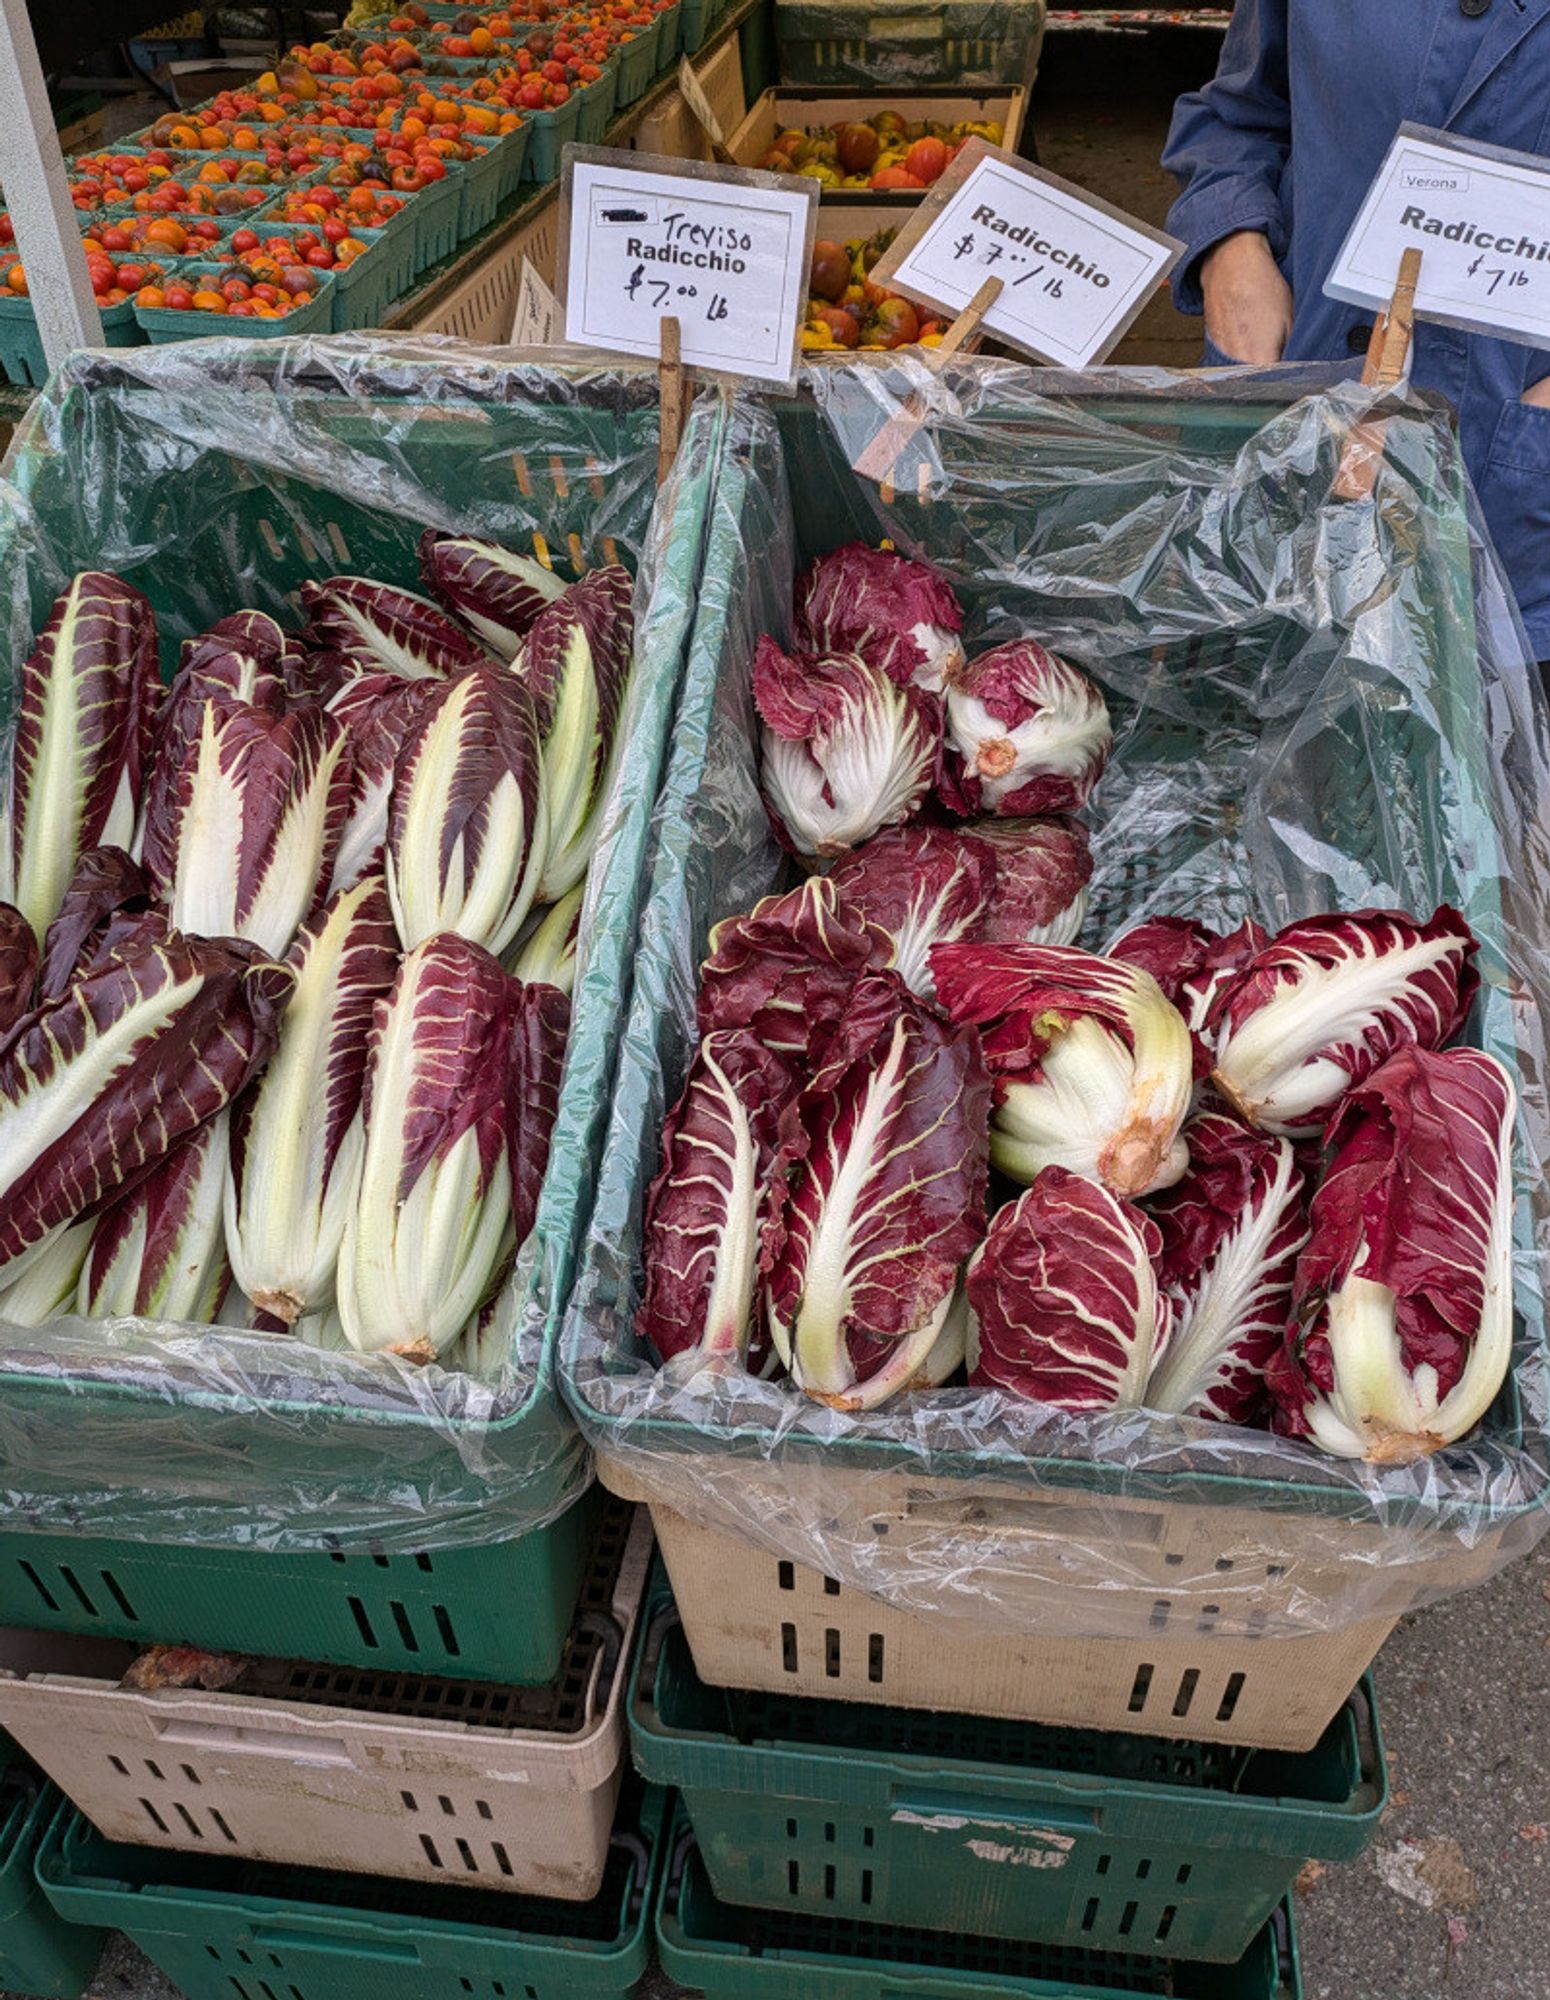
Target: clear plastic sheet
column 1318, row 703
column 909, row 44
column 220, row 474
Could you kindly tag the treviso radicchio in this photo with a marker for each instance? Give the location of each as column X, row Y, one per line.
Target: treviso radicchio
column 899, row 615
column 786, row 970
column 159, row 1252
column 883, row 1171
column 1403, row 1329
column 1092, row 1065
column 1026, row 733
column 1066, row 1308
column 1329, row 999
column 706, row 1208
column 495, row 592
column 384, row 627
column 18, row 966
column 845, row 751
column 1230, row 1232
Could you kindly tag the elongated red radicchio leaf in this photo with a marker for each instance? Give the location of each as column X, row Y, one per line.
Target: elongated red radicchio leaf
column 379, row 712
column 540, row 1025
column 388, row 627
column 159, row 1252
column 106, row 886
column 883, row 1172
column 786, row 971
column 1329, row 999
column 1065, row 1299
column 1230, row 1233
column 496, row 592
column 1402, row 1331
column 467, row 818
column 98, row 1086
column 706, row 1207
column 18, row 967
column 89, row 691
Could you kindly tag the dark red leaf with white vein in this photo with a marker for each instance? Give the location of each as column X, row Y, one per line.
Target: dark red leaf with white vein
column 1093, row 1066
column 1065, row 1300
column 883, row 1169
column 18, row 967
column 923, row 885
column 88, row 696
column 497, row 592
column 1043, row 867
column 1191, row 964
column 1027, row 732
column 1403, row 1314
column 844, row 752
column 467, row 820
column 787, row 969
column 424, row 1243
column 245, row 829
column 297, row 1137
column 1329, row 999
column 105, row 887
column 706, row 1207
column 97, row 1087
column 387, row 627
column 1231, row 1231
column 379, row 711
column 896, row 613
column 540, row 1025
column 159, row 1252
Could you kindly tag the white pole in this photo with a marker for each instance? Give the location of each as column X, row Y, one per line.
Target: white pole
column 37, row 195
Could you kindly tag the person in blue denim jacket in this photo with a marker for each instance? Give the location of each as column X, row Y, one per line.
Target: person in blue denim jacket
column 1274, row 157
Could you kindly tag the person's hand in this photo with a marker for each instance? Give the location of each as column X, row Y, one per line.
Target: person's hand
column 1539, row 395
column 1248, row 302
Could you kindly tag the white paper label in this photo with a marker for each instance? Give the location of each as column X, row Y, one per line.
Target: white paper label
column 1481, row 223
column 1073, row 273
column 728, row 258
column 536, row 322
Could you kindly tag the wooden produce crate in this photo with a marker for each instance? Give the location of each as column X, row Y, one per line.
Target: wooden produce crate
column 775, row 111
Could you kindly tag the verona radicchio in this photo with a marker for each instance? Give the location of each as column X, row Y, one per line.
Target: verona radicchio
column 1230, row 1234
column 86, row 708
column 787, row 969
column 882, row 1171
column 706, row 1208
column 1329, row 999
column 1065, row 1300
column 845, row 752
column 1043, row 867
column 1092, row 1065
column 1026, row 733
column 923, row 885
column 899, row 615
column 1403, row 1329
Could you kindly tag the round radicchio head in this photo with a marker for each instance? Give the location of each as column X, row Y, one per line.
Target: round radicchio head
column 897, row 614
column 1026, row 733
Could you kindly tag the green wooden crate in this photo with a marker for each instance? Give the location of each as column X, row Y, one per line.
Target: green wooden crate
column 311, row 1508
column 739, row 1954
column 998, row 1829
column 263, row 1932
column 41, row 1952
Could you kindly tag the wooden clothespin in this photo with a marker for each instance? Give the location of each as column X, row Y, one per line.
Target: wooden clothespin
column 878, row 459
column 1387, row 352
column 670, row 382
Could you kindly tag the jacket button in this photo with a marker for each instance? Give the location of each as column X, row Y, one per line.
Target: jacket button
column 1470, row 8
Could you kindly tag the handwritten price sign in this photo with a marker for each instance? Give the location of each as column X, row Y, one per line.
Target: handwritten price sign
column 723, row 250
column 1480, row 215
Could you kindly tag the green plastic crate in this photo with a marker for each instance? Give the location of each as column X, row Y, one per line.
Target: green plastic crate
column 636, row 62
column 739, row 1954
column 21, row 345
column 270, row 1933
column 497, row 1614
column 998, row 1829
column 326, row 1461
column 40, row 1951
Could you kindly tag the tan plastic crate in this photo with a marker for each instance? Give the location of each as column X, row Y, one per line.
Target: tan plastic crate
column 485, row 1787
column 754, row 1620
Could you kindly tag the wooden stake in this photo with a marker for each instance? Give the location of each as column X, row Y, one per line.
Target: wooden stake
column 670, row 379
column 1384, row 368
column 878, row 458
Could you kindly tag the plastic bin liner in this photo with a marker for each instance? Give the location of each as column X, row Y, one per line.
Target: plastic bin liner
column 215, row 475
column 1318, row 703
